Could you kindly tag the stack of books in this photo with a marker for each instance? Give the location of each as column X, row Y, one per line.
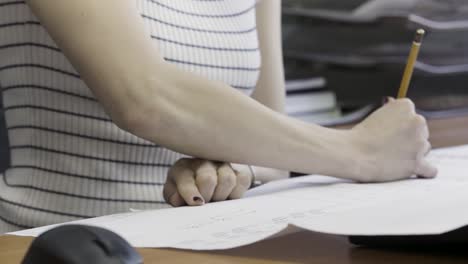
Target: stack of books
column 360, row 48
column 307, row 100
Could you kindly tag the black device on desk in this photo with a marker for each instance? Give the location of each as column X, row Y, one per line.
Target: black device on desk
column 77, row 244
column 458, row 237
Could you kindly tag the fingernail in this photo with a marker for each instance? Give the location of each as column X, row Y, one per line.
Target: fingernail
column 385, row 100
column 198, row 200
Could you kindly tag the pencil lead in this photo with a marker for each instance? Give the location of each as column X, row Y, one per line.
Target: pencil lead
column 419, row 35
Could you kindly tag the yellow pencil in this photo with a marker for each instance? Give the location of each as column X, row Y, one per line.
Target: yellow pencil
column 413, row 57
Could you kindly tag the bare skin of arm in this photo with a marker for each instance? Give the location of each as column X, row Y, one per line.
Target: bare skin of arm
column 270, row 90
column 187, row 113
column 213, row 181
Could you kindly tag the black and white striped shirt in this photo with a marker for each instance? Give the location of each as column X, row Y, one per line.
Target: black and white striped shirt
column 68, row 160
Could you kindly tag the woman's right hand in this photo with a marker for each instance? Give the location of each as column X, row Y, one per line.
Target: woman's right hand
column 392, row 144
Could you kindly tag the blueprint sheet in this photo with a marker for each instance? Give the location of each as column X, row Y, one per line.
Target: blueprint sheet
column 315, row 203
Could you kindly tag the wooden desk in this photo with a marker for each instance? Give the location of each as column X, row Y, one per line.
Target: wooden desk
column 304, row 247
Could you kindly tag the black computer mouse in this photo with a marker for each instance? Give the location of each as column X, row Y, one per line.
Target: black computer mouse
column 77, row 244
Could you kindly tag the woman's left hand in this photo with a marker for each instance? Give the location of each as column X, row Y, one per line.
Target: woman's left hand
column 196, row 182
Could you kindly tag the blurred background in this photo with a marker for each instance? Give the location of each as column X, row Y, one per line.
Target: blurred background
column 343, row 56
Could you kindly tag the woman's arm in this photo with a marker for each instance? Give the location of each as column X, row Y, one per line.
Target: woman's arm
column 106, row 42
column 270, row 89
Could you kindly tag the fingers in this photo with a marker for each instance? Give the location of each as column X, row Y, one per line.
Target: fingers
column 387, row 99
column 206, row 179
column 184, row 179
column 226, row 182
column 171, row 195
column 407, row 105
column 425, row 149
column 422, row 129
column 196, row 182
column 426, row 170
column 243, row 183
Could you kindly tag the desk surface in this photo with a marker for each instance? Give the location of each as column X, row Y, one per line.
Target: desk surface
column 304, row 247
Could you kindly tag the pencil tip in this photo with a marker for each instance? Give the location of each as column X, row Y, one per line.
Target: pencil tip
column 419, row 35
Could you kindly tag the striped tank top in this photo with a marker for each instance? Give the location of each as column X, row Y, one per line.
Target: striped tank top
column 68, row 160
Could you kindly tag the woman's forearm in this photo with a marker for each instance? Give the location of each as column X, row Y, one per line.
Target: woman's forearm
column 208, row 119
column 106, row 42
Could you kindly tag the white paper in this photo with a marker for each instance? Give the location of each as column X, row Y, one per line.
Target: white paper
column 317, row 203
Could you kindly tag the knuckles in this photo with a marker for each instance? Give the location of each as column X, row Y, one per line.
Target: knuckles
column 422, row 143
column 418, row 125
column 207, row 180
column 406, row 104
column 226, row 177
column 420, row 121
column 183, row 162
column 209, row 174
column 244, row 180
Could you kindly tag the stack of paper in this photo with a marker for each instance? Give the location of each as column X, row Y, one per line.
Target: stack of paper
column 316, row 203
